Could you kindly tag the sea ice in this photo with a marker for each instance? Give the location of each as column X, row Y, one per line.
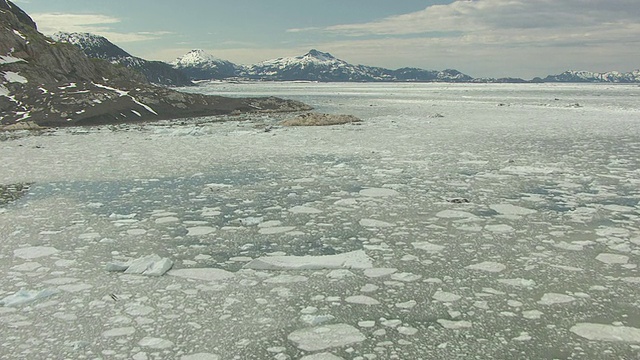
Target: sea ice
column 33, row 252
column 286, row 279
column 519, row 282
column 603, row 332
column 500, row 228
column 446, row 296
column 427, row 246
column 26, row 296
column 454, row 325
column 326, row 337
column 378, row 192
column 275, row 230
column 379, row 272
column 552, row 298
column 207, row 274
column 125, row 331
column 488, row 266
column 612, row 258
column 304, row 210
column 454, row 214
column 351, row 260
column 200, row 356
column 372, row 223
column 508, row 209
column 155, row 343
column 362, row 300
column 321, row 356
column 152, row 265
column 200, row 230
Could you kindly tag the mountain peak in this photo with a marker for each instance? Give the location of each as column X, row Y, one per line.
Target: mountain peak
column 319, row 55
column 197, row 57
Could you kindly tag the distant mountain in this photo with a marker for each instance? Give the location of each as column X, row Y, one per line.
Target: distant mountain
column 414, row 74
column 49, row 83
column 98, row 47
column 198, row 65
column 315, row 66
column 595, row 77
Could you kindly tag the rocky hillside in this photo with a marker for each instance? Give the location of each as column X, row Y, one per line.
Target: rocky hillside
column 98, row 47
column 198, row 65
column 55, row 84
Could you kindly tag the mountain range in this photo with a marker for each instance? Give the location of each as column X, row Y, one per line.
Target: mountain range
column 313, row 66
column 49, row 83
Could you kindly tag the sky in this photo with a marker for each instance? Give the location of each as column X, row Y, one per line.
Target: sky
column 482, row 38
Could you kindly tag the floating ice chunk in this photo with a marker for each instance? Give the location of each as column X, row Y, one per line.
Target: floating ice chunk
column 200, row 230
column 500, row 228
column 446, row 296
column 406, row 277
column 407, row 330
column 314, row 320
column 27, row 296
column 251, row 221
column 304, row 210
column 340, row 274
column 528, row 170
column 207, row 274
column 367, row 324
column 326, row 337
column 33, row 252
column 455, row 325
column 369, row 288
column 155, row 343
column 136, row 309
column 362, row 300
column 407, row 305
column 508, row 209
column 286, row 279
column 351, row 260
column 603, row 332
column 612, row 258
column 552, row 298
column 532, row 314
column 152, row 265
column 200, row 356
column 14, row 77
column 372, row 223
column 28, row 266
column 124, row 331
column 321, row 356
column 524, row 336
column 379, row 272
column 454, row 214
column 488, row 266
column 427, row 246
column 519, row 282
column 378, row 192
column 167, row 219
column 276, row 230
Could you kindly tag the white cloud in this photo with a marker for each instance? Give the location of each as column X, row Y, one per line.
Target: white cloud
column 49, row 23
column 500, row 37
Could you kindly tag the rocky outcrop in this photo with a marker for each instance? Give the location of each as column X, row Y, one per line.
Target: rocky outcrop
column 55, row 84
column 98, row 47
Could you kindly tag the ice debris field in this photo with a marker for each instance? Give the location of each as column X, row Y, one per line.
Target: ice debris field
column 456, row 221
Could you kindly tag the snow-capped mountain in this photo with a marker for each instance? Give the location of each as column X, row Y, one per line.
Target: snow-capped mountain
column 95, row 46
column 199, row 65
column 315, row 66
column 595, row 77
column 415, row 74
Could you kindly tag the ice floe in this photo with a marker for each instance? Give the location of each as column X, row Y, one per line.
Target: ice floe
column 206, row 274
column 488, row 266
column 34, row 252
column 553, row 298
column 326, row 337
column 151, row 265
column 604, row 332
column 378, row 192
column 351, row 260
column 27, row 296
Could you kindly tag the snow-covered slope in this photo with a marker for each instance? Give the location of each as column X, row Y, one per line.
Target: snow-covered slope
column 199, row 65
column 588, row 76
column 99, row 47
column 315, row 66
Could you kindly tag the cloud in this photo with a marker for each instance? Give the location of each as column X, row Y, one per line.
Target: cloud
column 49, row 23
column 511, row 22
